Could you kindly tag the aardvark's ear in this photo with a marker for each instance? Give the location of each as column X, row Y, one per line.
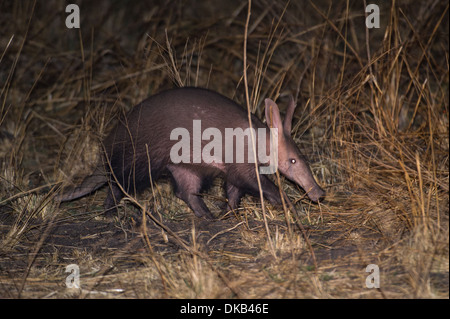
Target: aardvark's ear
column 287, row 124
column 273, row 117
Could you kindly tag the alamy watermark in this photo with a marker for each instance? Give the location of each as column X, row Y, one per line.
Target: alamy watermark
column 373, row 280
column 73, row 19
column 373, row 18
column 235, row 152
column 73, row 280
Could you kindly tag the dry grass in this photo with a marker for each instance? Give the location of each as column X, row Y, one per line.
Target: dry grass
column 372, row 118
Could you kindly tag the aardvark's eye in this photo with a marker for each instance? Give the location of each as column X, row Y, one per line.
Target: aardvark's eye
column 293, row 161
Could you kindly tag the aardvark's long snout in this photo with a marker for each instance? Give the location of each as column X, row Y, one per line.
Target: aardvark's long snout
column 315, row 193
